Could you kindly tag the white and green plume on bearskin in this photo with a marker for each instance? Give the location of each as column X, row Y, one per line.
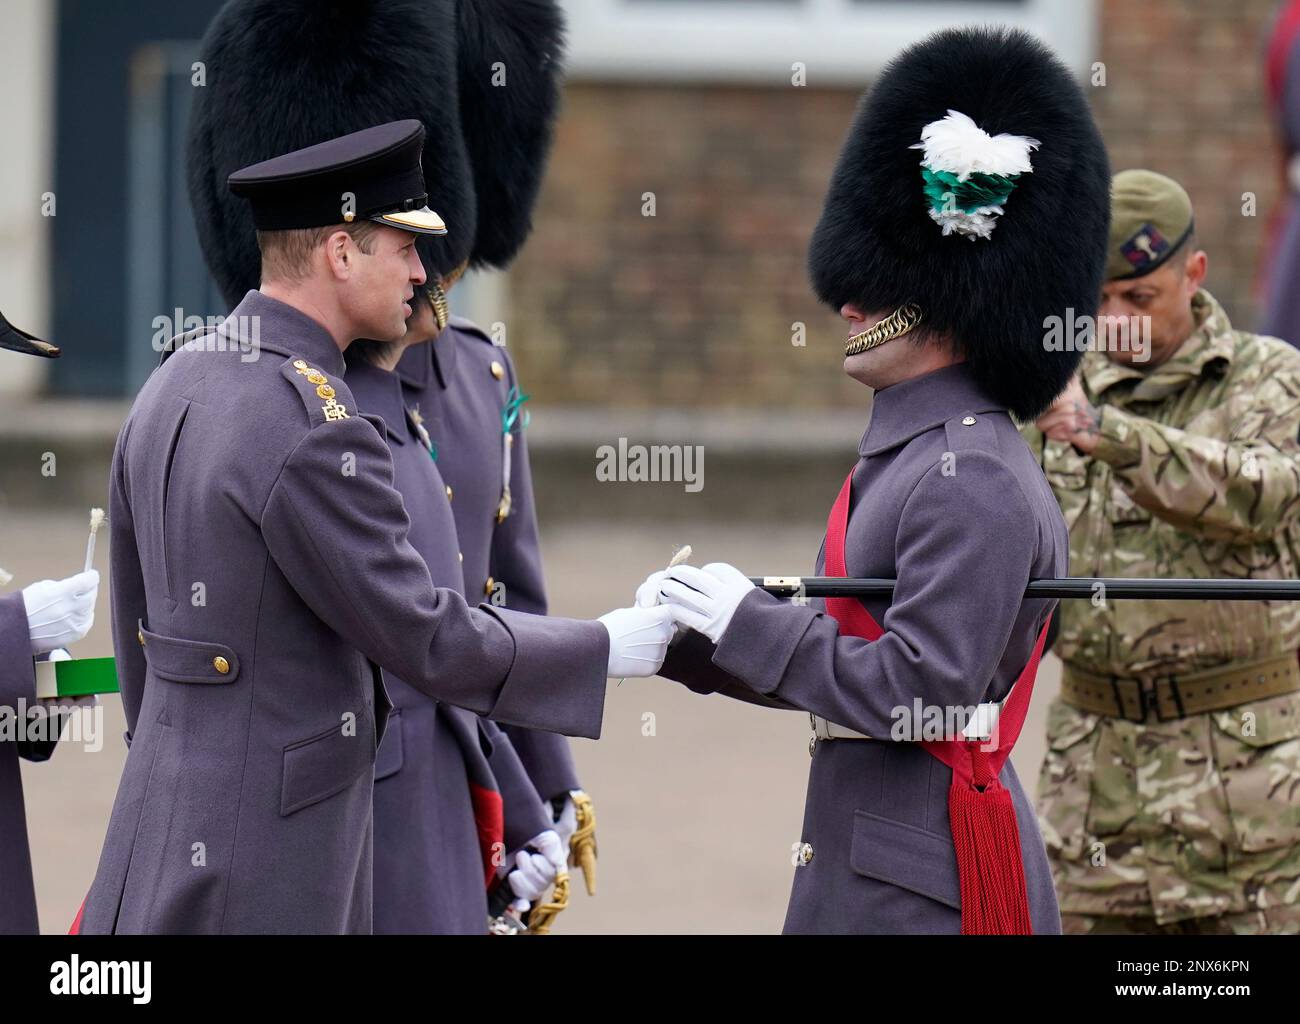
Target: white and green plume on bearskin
column 969, row 173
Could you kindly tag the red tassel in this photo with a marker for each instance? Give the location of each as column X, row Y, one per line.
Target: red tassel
column 994, row 900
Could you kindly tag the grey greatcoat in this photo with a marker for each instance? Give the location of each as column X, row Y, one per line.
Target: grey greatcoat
column 460, row 383
column 17, row 694
column 436, row 762
column 261, row 574
column 948, row 499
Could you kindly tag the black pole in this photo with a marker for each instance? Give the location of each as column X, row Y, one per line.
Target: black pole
column 1066, row 588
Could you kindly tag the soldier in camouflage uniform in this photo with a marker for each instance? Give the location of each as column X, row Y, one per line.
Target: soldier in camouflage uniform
column 1170, row 793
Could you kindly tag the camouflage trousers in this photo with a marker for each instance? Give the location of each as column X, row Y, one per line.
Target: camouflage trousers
column 1279, row 921
column 1169, row 822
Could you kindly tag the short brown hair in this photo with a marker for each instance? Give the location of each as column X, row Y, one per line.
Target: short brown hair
column 286, row 255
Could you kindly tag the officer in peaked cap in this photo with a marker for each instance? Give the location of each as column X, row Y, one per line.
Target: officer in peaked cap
column 262, row 575
column 34, row 622
column 434, row 789
column 939, row 245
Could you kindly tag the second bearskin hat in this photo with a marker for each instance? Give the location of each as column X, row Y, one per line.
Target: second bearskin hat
column 281, row 75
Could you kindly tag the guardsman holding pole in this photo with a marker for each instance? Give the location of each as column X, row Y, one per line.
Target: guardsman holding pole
column 940, row 244
column 1170, row 796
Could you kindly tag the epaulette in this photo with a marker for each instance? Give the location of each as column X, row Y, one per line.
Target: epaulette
column 971, row 430
column 324, row 403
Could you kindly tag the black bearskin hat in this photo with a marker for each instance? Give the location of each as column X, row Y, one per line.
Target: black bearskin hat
column 285, row 74
column 1005, row 225
column 508, row 121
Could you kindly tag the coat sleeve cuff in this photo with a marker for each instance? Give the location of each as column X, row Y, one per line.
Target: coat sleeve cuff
column 761, row 638
column 557, row 679
column 690, row 662
column 1117, row 444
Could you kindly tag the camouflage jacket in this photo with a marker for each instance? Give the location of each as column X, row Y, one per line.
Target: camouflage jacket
column 1196, row 474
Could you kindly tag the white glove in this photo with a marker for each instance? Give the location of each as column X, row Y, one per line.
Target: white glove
column 60, row 612
column 536, row 867
column 647, row 595
column 638, row 640
column 705, row 599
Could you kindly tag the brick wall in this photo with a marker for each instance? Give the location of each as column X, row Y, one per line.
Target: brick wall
column 1184, row 96
column 694, row 306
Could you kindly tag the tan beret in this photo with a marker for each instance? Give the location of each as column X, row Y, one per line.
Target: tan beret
column 1150, row 217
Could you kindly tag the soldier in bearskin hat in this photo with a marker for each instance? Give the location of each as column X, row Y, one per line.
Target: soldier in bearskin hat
column 969, row 205
column 464, row 387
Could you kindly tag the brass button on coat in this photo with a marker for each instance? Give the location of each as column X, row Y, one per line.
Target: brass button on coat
column 221, row 664
column 449, row 493
column 805, row 854
column 498, row 371
column 139, row 635
column 487, row 587
column 968, row 421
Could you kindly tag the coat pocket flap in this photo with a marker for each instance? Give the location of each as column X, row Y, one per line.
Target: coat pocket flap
column 906, row 856
column 1262, row 723
column 323, row 765
column 388, row 759
column 188, row 661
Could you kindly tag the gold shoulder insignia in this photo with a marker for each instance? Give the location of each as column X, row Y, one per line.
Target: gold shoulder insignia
column 315, row 387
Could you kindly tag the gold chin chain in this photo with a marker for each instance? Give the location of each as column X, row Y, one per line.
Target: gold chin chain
column 899, row 322
column 437, row 293
column 438, row 300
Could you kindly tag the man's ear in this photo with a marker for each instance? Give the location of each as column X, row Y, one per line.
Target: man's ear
column 340, row 256
column 1196, row 269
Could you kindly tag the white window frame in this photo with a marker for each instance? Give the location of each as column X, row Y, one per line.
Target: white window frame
column 840, row 42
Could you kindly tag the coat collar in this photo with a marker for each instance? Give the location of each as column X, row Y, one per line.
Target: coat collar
column 434, row 362
column 906, row 410
column 379, row 392
column 289, row 332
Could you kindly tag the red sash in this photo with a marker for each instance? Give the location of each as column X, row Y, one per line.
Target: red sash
column 994, row 900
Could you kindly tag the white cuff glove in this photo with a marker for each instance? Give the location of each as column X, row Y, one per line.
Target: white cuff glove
column 647, row 595
column 536, row 867
column 60, row 612
column 704, row 599
column 638, row 640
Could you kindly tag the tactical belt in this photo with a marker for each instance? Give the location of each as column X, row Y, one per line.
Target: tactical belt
column 1171, row 697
